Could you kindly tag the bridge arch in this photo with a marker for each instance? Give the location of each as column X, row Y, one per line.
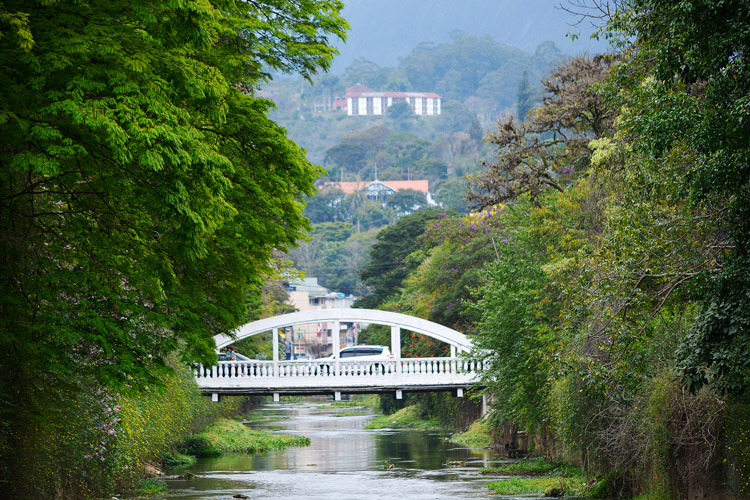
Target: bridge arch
column 396, row 321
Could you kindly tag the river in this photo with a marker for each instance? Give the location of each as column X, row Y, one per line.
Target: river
column 344, row 461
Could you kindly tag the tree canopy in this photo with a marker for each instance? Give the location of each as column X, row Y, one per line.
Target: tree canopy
column 142, row 186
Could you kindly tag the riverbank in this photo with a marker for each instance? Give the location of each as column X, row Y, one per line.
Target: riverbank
column 537, row 476
column 226, row 436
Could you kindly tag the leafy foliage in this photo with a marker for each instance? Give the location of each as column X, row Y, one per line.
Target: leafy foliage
column 387, row 268
column 143, row 188
column 702, row 82
column 540, row 153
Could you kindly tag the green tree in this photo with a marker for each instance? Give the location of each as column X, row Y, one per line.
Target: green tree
column 524, row 97
column 452, row 196
column 142, row 190
column 385, row 272
column 367, row 73
column 554, row 141
column 701, row 103
column 357, row 149
column 406, row 201
column 325, row 205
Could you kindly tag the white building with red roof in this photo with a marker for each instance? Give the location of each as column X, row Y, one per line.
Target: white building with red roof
column 364, row 101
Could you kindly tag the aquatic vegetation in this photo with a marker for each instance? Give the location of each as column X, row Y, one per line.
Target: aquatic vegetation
column 523, row 467
column 229, row 436
column 406, row 418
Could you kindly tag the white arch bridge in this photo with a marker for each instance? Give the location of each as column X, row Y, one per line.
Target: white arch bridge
column 336, row 376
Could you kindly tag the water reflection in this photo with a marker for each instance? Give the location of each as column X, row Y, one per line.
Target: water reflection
column 343, row 461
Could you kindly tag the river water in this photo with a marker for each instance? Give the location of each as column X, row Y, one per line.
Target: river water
column 344, row 461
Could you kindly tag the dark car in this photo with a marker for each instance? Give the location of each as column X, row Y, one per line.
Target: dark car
column 237, row 357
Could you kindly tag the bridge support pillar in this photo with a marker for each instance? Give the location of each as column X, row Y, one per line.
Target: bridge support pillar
column 215, row 397
column 396, row 345
column 399, row 394
column 460, row 392
column 486, row 404
column 337, row 396
column 276, row 397
column 336, row 346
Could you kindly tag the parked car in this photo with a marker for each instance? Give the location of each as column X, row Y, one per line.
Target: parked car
column 237, row 357
column 363, row 353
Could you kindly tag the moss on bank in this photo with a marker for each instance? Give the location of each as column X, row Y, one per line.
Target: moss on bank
column 537, row 476
column 404, row 418
column 523, row 467
column 229, row 436
column 541, row 486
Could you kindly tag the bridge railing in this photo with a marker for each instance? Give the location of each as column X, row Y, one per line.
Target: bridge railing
column 405, row 367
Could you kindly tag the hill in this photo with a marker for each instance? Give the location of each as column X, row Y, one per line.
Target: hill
column 385, row 30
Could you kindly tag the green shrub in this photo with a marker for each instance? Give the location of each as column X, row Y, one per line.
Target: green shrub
column 153, row 421
column 151, row 486
column 178, row 460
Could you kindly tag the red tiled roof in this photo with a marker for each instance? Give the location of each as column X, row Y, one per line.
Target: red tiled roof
column 362, row 91
column 422, row 186
column 359, row 88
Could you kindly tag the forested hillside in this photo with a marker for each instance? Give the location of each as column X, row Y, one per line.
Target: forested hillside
column 387, row 30
column 477, row 77
column 479, row 80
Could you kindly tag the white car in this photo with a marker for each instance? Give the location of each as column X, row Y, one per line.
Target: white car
column 364, row 352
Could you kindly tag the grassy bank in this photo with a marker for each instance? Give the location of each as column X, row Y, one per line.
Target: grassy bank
column 538, row 477
column 542, row 486
column 408, row 417
column 533, row 466
column 476, row 436
column 229, row 436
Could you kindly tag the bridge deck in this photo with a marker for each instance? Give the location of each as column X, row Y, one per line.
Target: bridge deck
column 337, row 376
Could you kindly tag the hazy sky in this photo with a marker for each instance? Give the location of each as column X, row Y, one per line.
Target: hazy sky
column 384, row 30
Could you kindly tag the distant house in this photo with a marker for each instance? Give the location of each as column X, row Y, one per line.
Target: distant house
column 316, row 339
column 378, row 189
column 364, row 101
